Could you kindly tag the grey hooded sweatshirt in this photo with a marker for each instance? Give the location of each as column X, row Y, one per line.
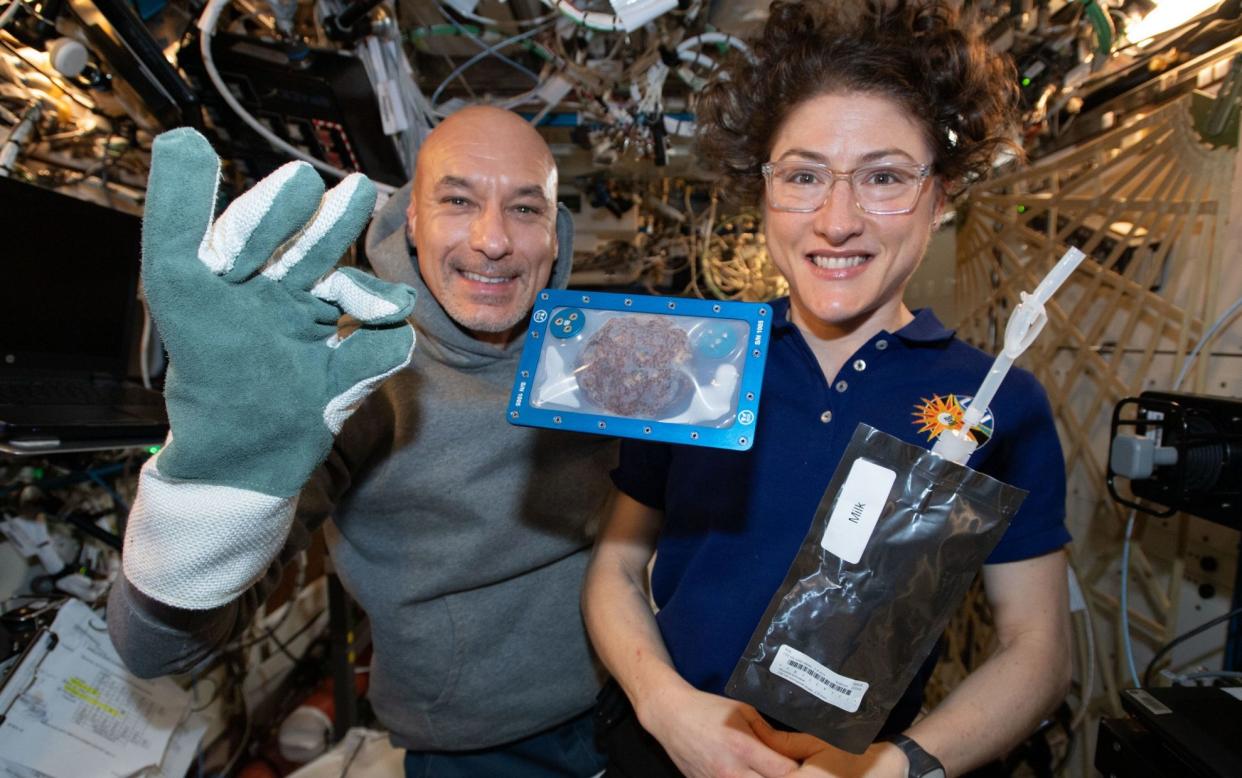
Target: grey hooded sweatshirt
column 464, row 539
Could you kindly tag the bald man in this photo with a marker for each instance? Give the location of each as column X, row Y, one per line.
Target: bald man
column 464, row 538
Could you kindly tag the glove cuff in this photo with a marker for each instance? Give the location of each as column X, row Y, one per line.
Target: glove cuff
column 197, row 546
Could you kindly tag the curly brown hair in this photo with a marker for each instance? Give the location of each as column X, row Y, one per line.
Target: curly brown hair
column 921, row 53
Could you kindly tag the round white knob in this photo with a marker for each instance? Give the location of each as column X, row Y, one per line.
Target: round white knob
column 68, row 56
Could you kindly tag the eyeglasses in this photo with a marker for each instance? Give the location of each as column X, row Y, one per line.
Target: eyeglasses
column 803, row 187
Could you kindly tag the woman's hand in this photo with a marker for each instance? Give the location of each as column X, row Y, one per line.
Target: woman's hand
column 708, row 736
column 820, row 760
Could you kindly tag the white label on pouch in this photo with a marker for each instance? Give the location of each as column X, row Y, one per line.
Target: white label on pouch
column 804, row 672
column 858, row 508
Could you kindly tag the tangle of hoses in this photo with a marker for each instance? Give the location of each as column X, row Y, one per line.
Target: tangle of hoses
column 207, row 26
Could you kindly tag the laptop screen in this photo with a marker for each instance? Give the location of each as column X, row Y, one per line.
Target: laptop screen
column 68, row 287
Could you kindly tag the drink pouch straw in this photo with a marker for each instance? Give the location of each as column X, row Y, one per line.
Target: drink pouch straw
column 896, row 541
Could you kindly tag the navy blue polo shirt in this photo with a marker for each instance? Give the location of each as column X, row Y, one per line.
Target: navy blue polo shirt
column 734, row 520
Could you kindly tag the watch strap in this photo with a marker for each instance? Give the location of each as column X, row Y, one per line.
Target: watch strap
column 922, row 764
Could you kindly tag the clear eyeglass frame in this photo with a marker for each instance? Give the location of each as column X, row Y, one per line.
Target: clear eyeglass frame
column 923, row 172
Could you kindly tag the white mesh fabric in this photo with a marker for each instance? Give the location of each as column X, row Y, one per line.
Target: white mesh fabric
column 225, row 240
column 199, row 546
column 339, row 288
column 331, row 209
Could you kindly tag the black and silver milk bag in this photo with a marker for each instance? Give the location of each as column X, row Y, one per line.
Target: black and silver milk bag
column 896, row 541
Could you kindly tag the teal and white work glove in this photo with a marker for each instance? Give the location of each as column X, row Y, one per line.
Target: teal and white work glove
column 259, row 380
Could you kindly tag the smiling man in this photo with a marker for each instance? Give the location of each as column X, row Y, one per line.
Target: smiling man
column 483, row 217
column 464, row 538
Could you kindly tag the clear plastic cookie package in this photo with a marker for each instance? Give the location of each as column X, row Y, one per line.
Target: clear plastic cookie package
column 672, row 369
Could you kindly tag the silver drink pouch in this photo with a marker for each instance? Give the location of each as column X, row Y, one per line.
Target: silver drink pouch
column 896, row 541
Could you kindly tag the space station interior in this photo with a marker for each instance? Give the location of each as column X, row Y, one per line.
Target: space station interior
column 1097, row 253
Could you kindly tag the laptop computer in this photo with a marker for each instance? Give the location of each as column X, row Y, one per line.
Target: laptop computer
column 1197, row 727
column 69, row 316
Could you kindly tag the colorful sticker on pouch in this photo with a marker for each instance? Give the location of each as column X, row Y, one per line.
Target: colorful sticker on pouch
column 938, row 414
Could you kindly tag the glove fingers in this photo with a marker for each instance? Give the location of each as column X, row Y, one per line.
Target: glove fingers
column 360, row 363
column 341, row 216
column 256, row 224
column 366, row 297
column 181, row 200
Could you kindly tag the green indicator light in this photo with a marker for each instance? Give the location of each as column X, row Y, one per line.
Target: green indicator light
column 37, row 473
column 1021, row 209
column 1026, row 81
column 153, row 450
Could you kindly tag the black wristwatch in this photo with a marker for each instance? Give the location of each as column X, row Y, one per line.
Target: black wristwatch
column 922, row 764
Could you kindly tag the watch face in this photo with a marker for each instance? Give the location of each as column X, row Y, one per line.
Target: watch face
column 935, row 772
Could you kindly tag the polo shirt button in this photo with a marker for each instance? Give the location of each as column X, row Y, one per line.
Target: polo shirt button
column 842, row 386
column 881, row 344
column 825, row 417
column 860, row 365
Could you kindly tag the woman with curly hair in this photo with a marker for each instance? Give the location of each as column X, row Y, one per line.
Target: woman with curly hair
column 851, row 129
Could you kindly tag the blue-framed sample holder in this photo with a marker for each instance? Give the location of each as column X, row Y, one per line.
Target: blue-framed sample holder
column 671, row 369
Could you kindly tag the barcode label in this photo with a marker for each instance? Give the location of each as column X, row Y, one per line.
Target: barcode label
column 809, row 675
column 1149, row 702
column 392, row 110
